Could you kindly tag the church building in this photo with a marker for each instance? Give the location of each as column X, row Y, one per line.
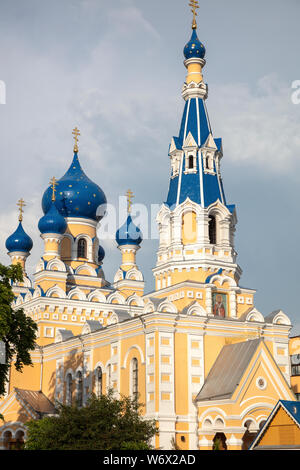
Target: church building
column 207, row 365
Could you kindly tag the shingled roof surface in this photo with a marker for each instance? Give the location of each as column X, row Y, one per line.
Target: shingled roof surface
column 36, row 400
column 227, row 371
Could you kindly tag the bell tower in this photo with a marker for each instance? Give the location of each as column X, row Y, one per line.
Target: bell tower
column 196, row 224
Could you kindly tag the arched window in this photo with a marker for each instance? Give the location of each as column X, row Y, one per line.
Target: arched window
column 69, row 387
column 99, row 381
column 19, row 437
column 7, row 439
column 79, row 389
column 191, row 162
column 212, row 230
column 81, row 248
column 219, row 441
column 134, row 378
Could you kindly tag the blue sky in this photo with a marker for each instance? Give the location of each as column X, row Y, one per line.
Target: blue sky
column 115, row 69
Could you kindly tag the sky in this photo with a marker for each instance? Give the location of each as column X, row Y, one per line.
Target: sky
column 115, row 70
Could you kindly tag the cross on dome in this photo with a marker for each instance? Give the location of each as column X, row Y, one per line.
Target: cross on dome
column 53, row 183
column 194, row 5
column 21, row 204
column 130, row 196
column 76, row 133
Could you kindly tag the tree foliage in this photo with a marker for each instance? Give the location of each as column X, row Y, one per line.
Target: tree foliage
column 17, row 331
column 105, row 423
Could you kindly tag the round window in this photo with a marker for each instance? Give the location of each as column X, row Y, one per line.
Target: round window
column 261, row 383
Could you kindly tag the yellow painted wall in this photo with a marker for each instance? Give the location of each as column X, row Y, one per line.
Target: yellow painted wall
column 281, row 431
column 189, row 228
column 194, row 73
column 180, row 373
column 65, row 248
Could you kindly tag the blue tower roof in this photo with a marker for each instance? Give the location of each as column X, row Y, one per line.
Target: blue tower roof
column 19, row 241
column 194, row 48
column 52, row 221
column 129, row 233
column 202, row 187
column 76, row 195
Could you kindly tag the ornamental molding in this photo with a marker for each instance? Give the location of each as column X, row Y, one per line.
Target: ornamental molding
column 194, row 90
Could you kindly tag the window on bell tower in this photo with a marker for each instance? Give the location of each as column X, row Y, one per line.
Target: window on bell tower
column 212, row 230
column 81, row 248
column 191, row 163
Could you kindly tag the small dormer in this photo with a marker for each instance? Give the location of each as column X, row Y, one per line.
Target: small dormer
column 175, row 154
column 210, row 156
column 190, row 148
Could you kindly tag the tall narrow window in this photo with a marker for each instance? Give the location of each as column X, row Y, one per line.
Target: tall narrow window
column 191, row 162
column 69, row 386
column 134, row 375
column 212, row 230
column 99, row 381
column 108, row 380
column 81, row 248
column 79, row 388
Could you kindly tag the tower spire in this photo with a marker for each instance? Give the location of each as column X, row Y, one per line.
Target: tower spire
column 196, row 225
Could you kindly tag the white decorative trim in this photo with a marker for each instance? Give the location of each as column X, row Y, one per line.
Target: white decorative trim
column 115, row 296
column 56, row 290
column 141, row 355
column 76, row 291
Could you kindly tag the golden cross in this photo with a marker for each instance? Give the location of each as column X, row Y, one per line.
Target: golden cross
column 130, row 196
column 76, row 133
column 21, row 204
column 53, row 183
column 195, row 5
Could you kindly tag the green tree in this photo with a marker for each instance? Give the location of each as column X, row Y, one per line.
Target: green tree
column 17, row 331
column 105, row 423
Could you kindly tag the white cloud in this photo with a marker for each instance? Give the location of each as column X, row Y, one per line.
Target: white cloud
column 259, row 126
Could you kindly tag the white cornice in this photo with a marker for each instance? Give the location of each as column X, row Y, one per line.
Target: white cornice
column 81, row 221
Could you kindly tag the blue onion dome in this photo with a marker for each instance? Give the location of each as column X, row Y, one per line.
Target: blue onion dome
column 52, row 221
column 101, row 254
column 129, row 233
column 194, row 48
column 19, row 241
column 76, row 195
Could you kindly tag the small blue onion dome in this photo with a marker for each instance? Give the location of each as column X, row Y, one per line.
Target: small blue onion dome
column 194, row 48
column 129, row 233
column 76, row 195
column 52, row 221
column 19, row 241
column 101, row 254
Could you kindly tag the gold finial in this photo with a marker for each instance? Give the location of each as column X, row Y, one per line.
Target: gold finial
column 53, row 183
column 76, row 133
column 21, row 204
column 194, row 5
column 130, row 196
